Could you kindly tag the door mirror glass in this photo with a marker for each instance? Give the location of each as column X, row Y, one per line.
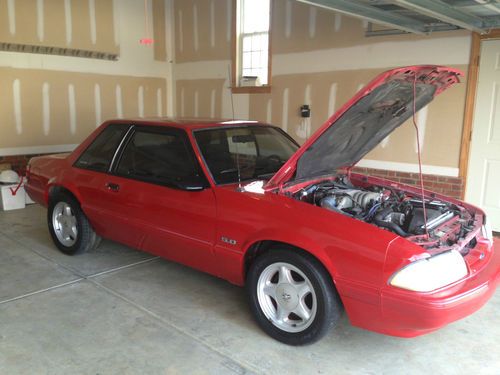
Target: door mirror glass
column 193, row 186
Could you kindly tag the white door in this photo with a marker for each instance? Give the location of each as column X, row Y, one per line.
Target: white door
column 483, row 177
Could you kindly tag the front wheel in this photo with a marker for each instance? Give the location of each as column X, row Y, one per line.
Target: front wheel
column 292, row 297
column 69, row 227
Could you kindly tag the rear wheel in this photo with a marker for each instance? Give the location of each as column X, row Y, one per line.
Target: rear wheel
column 292, row 297
column 69, row 227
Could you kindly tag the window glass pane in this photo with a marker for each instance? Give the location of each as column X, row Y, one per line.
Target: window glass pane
column 263, row 77
column 99, row 154
column 255, row 43
column 161, row 158
column 263, row 61
column 247, row 43
column 247, row 60
column 255, row 59
column 254, row 37
column 255, row 15
column 264, row 42
column 258, row 151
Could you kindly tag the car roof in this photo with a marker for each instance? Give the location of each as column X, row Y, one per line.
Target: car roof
column 186, row 123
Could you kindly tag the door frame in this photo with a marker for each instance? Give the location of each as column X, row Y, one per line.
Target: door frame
column 470, row 101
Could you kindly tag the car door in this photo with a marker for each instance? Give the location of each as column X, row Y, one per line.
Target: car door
column 97, row 199
column 165, row 196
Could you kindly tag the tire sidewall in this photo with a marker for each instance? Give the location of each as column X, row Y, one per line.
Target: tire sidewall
column 327, row 311
column 75, row 208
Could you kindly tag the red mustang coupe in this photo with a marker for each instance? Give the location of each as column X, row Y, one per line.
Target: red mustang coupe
column 242, row 201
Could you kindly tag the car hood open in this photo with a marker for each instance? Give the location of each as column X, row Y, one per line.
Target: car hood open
column 364, row 121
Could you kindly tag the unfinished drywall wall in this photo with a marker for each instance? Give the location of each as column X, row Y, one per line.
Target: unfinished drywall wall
column 50, row 103
column 83, row 24
column 42, row 108
column 440, row 123
column 320, row 58
column 202, row 30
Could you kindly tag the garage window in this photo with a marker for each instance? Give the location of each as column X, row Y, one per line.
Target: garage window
column 252, row 55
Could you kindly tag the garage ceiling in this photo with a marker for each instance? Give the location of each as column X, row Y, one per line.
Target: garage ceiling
column 419, row 16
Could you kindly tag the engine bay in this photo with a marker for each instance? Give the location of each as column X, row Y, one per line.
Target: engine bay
column 395, row 210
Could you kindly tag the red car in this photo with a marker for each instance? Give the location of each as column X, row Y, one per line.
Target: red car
column 242, row 201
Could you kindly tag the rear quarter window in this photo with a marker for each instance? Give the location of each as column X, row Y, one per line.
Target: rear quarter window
column 99, row 154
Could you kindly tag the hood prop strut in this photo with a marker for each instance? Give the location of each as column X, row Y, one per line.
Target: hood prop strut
column 419, row 155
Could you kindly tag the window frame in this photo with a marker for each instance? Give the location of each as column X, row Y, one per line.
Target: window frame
column 205, row 164
column 165, row 130
column 128, row 129
column 237, row 56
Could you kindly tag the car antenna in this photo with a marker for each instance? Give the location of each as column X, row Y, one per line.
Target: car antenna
column 238, row 165
column 232, row 108
column 230, row 87
column 419, row 155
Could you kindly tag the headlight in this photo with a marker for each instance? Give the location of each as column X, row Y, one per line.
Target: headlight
column 431, row 273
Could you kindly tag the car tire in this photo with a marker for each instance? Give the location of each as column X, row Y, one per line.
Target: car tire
column 69, row 227
column 292, row 296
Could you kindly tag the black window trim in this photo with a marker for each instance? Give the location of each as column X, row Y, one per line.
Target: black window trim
column 157, row 129
column 108, row 169
column 118, row 152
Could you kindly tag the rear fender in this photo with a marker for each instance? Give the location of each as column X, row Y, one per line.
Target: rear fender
column 54, row 184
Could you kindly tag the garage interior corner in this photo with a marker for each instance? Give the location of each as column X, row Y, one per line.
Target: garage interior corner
column 117, row 310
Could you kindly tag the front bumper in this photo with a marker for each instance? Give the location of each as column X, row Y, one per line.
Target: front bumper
column 407, row 314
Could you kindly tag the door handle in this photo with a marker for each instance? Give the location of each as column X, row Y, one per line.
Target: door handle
column 113, row 187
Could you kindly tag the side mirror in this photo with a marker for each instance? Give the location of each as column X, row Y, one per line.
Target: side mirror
column 193, row 187
column 196, row 183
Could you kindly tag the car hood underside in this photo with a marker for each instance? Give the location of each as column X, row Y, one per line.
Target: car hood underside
column 363, row 127
column 364, row 121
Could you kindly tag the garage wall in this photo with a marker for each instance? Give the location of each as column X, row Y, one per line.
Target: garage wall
column 50, row 103
column 319, row 58
column 43, row 23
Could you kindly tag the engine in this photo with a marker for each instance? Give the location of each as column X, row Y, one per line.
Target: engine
column 394, row 210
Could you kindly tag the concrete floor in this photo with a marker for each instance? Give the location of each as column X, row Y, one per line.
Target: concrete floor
column 120, row 311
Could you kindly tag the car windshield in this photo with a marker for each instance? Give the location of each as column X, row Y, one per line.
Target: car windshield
column 253, row 152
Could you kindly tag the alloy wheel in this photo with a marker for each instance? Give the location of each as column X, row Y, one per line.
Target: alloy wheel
column 286, row 297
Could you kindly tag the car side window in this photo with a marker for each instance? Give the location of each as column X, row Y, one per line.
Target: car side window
column 162, row 157
column 99, row 154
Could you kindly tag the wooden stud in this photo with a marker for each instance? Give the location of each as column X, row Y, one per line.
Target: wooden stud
column 470, row 99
